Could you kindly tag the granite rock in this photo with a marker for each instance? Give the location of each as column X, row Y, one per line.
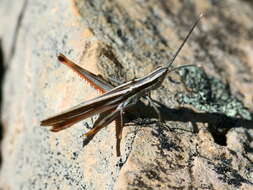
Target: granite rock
column 205, row 141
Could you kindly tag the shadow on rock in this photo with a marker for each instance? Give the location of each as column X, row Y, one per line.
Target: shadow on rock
column 2, row 72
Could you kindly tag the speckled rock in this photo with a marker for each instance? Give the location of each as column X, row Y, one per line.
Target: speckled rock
column 205, row 141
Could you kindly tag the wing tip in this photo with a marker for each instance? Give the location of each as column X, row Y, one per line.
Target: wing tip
column 55, row 129
column 62, row 58
column 43, row 123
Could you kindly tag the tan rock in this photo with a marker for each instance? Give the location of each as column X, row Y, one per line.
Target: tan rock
column 206, row 140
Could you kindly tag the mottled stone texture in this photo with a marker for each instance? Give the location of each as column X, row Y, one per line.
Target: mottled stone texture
column 206, row 140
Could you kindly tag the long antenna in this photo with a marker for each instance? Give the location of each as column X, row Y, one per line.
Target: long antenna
column 186, row 38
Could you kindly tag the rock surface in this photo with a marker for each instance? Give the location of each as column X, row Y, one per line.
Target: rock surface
column 206, row 140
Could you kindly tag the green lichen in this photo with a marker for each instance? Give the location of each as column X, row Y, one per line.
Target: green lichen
column 209, row 94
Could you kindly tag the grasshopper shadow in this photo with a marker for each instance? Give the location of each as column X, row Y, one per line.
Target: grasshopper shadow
column 218, row 123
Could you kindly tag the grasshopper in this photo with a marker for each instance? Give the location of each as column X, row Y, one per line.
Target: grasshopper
column 114, row 101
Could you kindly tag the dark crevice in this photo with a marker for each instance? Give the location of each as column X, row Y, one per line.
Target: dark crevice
column 219, row 129
column 2, row 72
column 4, row 61
column 219, row 138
